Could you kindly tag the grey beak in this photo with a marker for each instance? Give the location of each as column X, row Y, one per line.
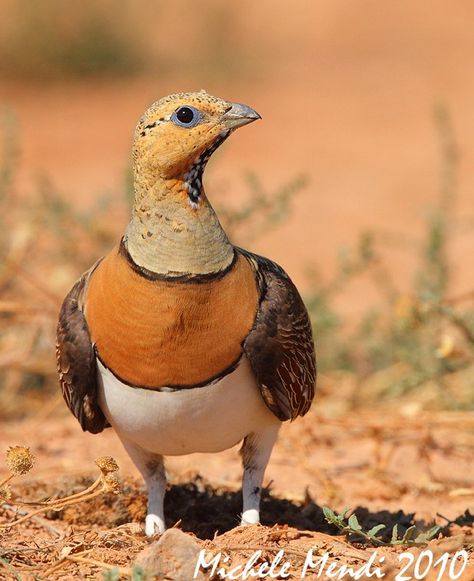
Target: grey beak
column 239, row 115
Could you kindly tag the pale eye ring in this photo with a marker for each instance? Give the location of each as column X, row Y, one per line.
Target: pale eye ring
column 186, row 116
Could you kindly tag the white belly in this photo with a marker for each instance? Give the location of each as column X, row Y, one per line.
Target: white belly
column 204, row 419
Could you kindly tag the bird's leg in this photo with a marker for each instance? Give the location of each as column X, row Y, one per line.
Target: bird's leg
column 153, row 471
column 255, row 452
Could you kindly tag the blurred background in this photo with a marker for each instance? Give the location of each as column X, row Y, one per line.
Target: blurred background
column 358, row 180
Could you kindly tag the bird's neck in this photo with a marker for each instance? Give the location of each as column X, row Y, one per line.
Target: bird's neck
column 174, row 233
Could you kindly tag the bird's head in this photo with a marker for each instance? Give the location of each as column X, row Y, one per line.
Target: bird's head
column 177, row 134
column 173, row 142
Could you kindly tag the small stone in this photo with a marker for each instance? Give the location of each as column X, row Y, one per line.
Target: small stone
column 173, row 556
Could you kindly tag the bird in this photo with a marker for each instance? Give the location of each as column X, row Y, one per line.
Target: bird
column 177, row 339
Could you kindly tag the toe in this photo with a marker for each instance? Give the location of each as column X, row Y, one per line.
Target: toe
column 250, row 517
column 154, row 525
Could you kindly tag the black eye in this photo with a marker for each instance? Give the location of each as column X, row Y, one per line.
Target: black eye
column 186, row 116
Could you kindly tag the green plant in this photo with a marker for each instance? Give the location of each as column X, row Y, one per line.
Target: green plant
column 262, row 211
column 350, row 526
column 418, row 336
column 114, row 574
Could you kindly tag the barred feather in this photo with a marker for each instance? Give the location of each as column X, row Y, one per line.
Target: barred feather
column 76, row 361
column 280, row 346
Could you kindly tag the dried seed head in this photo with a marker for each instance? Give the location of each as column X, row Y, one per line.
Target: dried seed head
column 5, row 493
column 107, row 464
column 19, row 460
column 111, row 483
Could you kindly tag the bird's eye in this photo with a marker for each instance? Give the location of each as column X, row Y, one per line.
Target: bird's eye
column 186, row 116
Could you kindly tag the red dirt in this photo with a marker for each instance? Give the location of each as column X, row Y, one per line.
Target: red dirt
column 399, row 469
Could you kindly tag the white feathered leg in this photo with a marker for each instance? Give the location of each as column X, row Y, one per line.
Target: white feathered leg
column 255, row 453
column 153, row 471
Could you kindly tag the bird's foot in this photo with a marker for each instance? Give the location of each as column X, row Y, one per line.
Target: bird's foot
column 154, row 525
column 250, row 517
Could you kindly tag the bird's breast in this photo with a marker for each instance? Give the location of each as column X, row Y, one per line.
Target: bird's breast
column 154, row 333
column 202, row 419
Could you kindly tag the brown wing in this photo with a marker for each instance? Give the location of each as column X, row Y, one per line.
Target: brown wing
column 76, row 360
column 280, row 346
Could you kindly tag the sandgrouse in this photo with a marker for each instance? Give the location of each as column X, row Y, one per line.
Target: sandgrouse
column 177, row 339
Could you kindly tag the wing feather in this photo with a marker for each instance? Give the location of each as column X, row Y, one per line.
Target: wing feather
column 76, row 361
column 280, row 345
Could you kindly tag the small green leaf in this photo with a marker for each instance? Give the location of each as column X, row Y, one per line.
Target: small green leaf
column 342, row 515
column 409, row 534
column 328, row 514
column 374, row 530
column 433, row 531
column 354, row 523
column 394, row 534
column 138, row 574
column 424, row 537
column 111, row 575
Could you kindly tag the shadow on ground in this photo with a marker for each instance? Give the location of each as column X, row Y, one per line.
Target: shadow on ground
column 206, row 510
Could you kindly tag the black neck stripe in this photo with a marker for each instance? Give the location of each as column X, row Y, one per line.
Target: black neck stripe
column 181, row 278
column 194, row 175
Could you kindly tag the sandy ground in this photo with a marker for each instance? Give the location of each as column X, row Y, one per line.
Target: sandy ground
column 400, row 469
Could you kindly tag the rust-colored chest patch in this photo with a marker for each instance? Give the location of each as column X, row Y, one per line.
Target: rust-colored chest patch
column 159, row 333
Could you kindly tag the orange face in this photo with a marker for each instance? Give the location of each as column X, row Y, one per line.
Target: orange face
column 176, row 130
